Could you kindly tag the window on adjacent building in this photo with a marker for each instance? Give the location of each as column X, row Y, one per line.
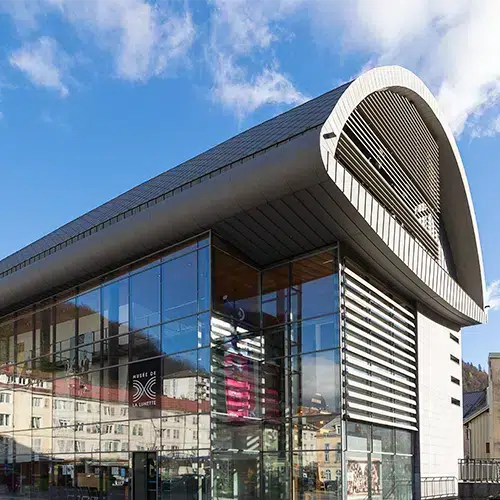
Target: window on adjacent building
column 4, row 419
column 455, row 401
column 36, row 422
column 4, row 397
column 487, row 447
column 454, row 359
column 454, row 338
column 455, row 380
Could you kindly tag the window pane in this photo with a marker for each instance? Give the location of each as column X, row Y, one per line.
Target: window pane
column 316, row 383
column 145, row 343
column 145, row 298
column 315, row 478
column 358, row 475
column 203, row 279
column 179, row 283
column 89, row 317
column 317, row 334
column 229, row 434
column 180, row 335
column 180, row 383
column 236, row 475
column 235, row 289
column 115, row 393
column 65, row 326
column 7, row 343
column 24, row 340
column 275, row 291
column 358, row 437
column 383, row 440
column 115, row 309
column 315, row 286
column 403, row 473
column 404, row 442
column 43, row 332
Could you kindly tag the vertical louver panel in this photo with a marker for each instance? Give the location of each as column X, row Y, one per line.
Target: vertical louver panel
column 380, row 354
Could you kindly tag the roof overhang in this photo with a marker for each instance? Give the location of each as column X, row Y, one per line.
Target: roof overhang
column 285, row 201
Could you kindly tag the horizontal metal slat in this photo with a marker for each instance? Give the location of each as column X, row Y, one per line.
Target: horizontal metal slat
column 376, row 390
column 361, row 373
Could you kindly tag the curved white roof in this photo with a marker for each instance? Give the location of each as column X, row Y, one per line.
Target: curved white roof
column 456, row 208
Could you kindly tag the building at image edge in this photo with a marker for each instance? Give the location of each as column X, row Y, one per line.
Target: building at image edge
column 278, row 316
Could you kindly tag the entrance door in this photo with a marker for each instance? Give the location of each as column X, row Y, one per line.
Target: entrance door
column 145, row 479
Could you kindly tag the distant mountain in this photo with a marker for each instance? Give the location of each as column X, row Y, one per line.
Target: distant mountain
column 473, row 378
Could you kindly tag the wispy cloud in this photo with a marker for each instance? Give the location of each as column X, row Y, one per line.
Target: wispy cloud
column 143, row 38
column 452, row 44
column 243, row 94
column 493, row 295
column 44, row 63
column 243, row 31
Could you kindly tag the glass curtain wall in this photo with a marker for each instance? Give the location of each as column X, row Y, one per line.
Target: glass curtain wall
column 275, row 371
column 379, row 462
column 90, row 386
column 193, row 376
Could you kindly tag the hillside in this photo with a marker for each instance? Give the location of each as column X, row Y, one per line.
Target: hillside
column 474, row 378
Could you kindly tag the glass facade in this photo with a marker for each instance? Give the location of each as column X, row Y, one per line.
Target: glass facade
column 194, row 376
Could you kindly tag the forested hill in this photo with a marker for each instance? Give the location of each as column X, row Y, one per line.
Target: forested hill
column 474, row 378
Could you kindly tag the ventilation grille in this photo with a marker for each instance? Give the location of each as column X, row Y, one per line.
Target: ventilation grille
column 389, row 149
column 379, row 356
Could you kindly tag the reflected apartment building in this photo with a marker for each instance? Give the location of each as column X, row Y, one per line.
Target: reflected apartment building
column 277, row 318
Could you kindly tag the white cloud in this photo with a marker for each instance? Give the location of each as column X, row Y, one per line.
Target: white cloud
column 243, row 95
column 452, row 44
column 143, row 38
column 1, row 115
column 242, row 32
column 44, row 63
column 493, row 295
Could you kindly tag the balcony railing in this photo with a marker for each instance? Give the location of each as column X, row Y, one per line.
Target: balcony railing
column 473, row 470
column 439, row 487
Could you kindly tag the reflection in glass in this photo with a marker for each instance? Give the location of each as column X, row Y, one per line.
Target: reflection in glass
column 89, row 317
column 184, row 474
column 275, row 295
column 145, row 343
column 185, row 334
column 145, row 298
column 315, row 478
column 235, row 291
column 316, row 383
column 179, row 287
column 114, row 393
column 315, row 286
column 65, row 326
column 24, row 340
column 276, row 472
column 43, row 332
column 236, row 475
column 317, row 334
column 6, row 344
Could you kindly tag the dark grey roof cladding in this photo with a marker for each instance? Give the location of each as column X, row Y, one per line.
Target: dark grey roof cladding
column 276, row 130
column 473, row 402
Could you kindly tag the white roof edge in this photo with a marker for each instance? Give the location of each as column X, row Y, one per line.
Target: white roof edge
column 381, row 78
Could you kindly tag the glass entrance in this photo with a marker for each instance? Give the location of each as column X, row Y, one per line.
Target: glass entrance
column 145, row 482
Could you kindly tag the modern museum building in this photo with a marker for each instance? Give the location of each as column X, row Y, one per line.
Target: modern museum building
column 277, row 318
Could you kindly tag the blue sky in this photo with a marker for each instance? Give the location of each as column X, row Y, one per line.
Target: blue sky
column 97, row 96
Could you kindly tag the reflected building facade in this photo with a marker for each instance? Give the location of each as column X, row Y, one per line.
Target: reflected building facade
column 257, row 334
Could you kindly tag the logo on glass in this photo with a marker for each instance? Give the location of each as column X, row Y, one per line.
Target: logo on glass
column 144, row 389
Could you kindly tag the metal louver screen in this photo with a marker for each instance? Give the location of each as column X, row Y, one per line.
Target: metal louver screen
column 379, row 356
column 388, row 148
